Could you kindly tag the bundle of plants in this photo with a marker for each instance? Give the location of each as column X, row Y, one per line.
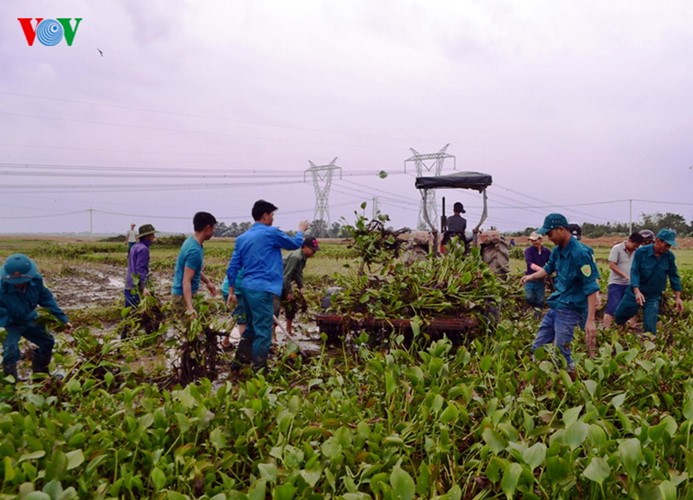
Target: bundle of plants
column 452, row 285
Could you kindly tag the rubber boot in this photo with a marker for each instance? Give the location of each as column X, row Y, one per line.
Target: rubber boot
column 244, row 354
column 11, row 370
column 39, row 364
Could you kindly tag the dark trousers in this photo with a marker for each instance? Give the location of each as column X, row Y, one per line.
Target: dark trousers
column 34, row 333
column 628, row 308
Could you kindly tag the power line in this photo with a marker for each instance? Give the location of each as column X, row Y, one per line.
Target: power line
column 138, row 188
column 31, row 169
column 188, row 131
column 44, row 216
column 206, row 117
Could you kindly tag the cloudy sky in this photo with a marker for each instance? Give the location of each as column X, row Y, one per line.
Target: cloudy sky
column 582, row 107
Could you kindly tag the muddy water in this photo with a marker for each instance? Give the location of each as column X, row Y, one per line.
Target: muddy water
column 102, row 285
column 96, row 285
column 90, row 285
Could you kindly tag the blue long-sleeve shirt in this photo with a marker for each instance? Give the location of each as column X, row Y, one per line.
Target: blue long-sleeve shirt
column 649, row 273
column 576, row 276
column 138, row 264
column 258, row 252
column 18, row 307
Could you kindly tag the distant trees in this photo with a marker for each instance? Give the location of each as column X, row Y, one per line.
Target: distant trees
column 232, row 230
column 667, row 220
column 654, row 222
column 318, row 229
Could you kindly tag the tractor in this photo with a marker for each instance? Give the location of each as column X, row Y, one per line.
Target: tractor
column 494, row 249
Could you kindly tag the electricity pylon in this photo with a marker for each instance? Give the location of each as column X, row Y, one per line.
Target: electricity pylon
column 429, row 163
column 322, row 180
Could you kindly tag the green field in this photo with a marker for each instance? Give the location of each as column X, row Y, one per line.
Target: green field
column 366, row 419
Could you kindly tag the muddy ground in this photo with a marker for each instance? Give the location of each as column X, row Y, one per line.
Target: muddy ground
column 90, row 285
column 101, row 285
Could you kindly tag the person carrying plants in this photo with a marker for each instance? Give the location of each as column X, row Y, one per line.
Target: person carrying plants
column 189, row 264
column 574, row 300
column 258, row 253
column 294, row 264
column 651, row 266
column 138, row 266
column 536, row 257
column 620, row 261
column 22, row 290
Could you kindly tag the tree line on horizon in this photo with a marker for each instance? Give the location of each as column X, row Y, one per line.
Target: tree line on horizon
column 318, row 229
column 654, row 222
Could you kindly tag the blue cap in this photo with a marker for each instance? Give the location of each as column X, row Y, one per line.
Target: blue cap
column 668, row 236
column 18, row 269
column 552, row 221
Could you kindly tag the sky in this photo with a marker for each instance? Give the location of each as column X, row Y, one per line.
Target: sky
column 163, row 108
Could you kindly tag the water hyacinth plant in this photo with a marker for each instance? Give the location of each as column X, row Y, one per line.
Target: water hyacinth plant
column 481, row 419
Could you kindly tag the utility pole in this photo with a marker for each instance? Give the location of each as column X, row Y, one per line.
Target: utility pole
column 630, row 217
column 432, row 164
column 322, row 181
column 376, row 210
column 91, row 221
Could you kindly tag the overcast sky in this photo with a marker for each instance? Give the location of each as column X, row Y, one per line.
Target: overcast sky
column 571, row 106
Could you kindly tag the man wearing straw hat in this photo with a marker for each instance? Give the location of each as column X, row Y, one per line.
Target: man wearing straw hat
column 536, row 257
column 138, row 266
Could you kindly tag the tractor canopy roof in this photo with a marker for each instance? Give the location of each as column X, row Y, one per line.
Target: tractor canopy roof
column 463, row 180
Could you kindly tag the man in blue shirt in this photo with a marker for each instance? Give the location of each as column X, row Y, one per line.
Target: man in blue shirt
column 651, row 266
column 21, row 292
column 574, row 300
column 188, row 272
column 258, row 253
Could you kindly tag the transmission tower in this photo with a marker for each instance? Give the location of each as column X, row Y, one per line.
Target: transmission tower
column 429, row 164
column 322, row 180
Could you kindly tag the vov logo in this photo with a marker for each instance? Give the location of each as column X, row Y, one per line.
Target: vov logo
column 49, row 31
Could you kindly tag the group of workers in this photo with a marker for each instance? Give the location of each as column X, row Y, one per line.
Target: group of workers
column 639, row 269
column 256, row 281
column 257, row 278
column 257, row 256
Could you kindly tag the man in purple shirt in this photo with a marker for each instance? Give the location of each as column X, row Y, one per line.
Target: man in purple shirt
column 258, row 252
column 536, row 258
column 138, row 266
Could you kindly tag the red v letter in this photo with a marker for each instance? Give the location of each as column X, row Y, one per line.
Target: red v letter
column 29, row 30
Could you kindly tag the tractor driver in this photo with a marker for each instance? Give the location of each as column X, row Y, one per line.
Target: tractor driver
column 456, row 226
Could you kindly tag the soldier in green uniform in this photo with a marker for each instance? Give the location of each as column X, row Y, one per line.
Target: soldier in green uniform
column 651, row 266
column 294, row 264
column 574, row 300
